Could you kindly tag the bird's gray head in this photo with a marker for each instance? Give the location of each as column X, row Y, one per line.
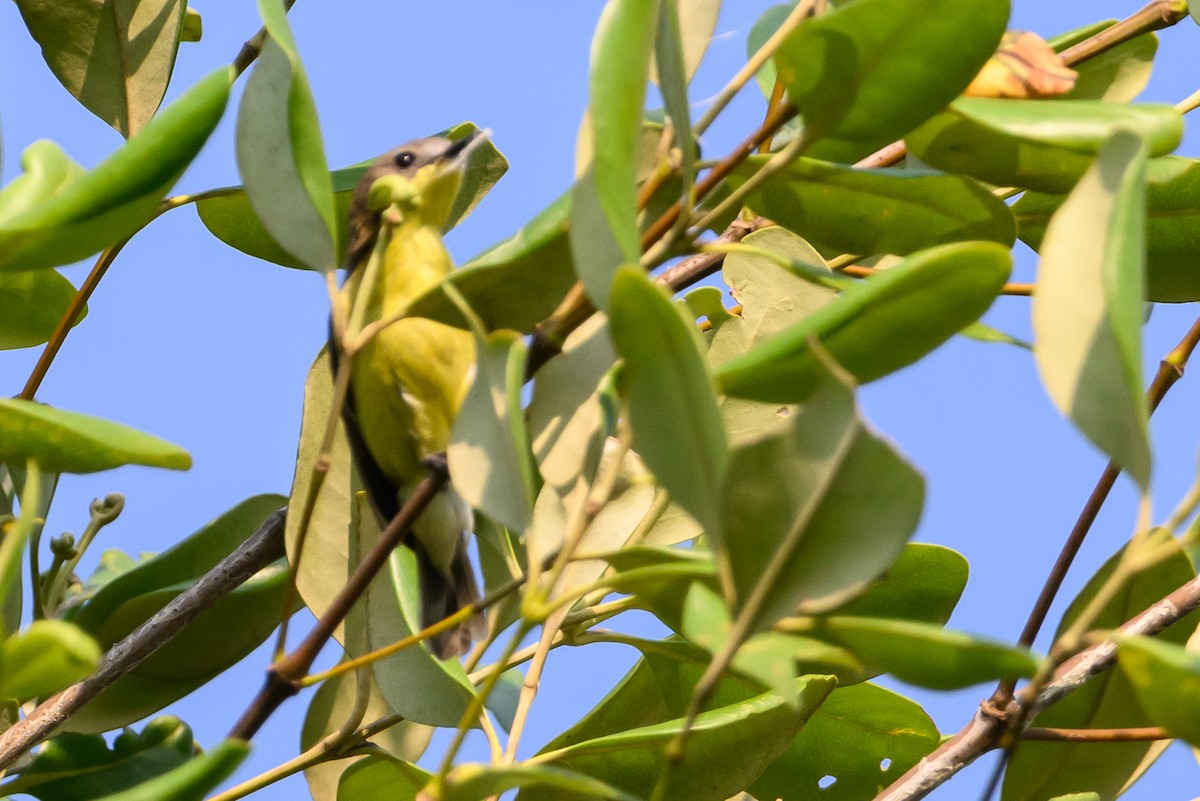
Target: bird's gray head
column 405, row 161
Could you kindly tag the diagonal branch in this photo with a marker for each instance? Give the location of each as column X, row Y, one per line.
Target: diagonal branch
column 262, row 548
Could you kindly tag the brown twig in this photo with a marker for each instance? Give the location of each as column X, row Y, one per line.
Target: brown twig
column 1131, row 735
column 987, row 726
column 258, row 551
column 254, row 45
column 284, row 675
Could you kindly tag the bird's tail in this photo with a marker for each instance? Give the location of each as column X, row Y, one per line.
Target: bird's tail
column 447, row 579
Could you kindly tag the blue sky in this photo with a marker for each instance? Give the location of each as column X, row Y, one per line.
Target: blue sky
column 197, row 343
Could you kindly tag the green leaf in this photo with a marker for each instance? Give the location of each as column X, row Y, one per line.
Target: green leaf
column 381, row 778
column 697, row 22
column 328, row 711
column 795, row 532
column 279, row 151
column 1118, row 74
column 869, row 72
column 215, row 640
column 1044, row 145
column 673, row 77
column 191, row 781
column 516, row 283
column 58, row 214
column 928, row 655
column 228, row 216
column 412, row 682
column 1172, row 227
column 887, row 210
column 672, row 404
column 116, row 59
column 1166, row 678
column 69, row 442
column 45, row 657
column 476, row 782
column 621, row 52
column 1087, row 311
column 923, row 585
column 1042, row 769
column 878, row 326
column 567, row 422
column 81, row 767
column 490, row 463
column 33, row 303
column 864, row 736
column 727, row 748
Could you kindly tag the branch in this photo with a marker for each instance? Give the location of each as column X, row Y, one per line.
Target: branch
column 262, row 548
column 284, row 675
column 987, row 726
column 254, row 45
column 1130, row 735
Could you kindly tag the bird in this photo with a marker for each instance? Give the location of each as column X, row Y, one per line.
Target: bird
column 408, row 381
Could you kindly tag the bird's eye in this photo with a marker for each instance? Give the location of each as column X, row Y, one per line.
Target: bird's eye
column 405, row 159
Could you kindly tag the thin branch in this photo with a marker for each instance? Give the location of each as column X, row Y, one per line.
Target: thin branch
column 254, row 45
column 262, row 548
column 284, row 674
column 1131, row 735
column 988, row 725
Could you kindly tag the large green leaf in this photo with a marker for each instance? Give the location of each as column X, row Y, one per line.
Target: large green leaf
column 897, row 211
column 697, row 22
column 216, row 639
column 279, row 151
column 33, row 303
column 1087, row 311
column 115, row 58
column 923, row 584
column 1042, row 769
column 381, row 777
column 869, row 72
column 796, row 531
column 1172, row 227
column 1044, row 145
column 228, row 216
column 864, row 736
column 621, row 50
column 1118, row 74
column 81, row 767
column 1166, row 678
column 516, row 283
column 928, row 655
column 45, row 657
column 878, row 326
column 328, row 711
column 672, row 405
column 490, row 463
column 69, row 442
column 477, row 782
column 58, row 214
column 727, row 748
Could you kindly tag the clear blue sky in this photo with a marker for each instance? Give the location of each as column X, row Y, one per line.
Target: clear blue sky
column 192, row 341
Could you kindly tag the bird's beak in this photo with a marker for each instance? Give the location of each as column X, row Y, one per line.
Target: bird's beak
column 459, row 150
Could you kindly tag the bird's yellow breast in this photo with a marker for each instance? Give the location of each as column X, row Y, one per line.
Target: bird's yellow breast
column 410, row 379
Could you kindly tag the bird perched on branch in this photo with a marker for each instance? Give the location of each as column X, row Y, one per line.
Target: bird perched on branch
column 408, row 380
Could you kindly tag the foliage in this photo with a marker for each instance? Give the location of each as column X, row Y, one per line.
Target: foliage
column 623, row 448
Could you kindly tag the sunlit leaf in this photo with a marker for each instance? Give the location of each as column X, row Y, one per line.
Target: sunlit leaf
column 56, row 213
column 1172, row 227
column 1045, row 145
column 672, row 405
column 33, row 303
column 381, row 778
column 115, row 58
column 44, row 658
column 69, row 442
column 869, row 72
column 796, row 530
column 1087, row 311
column 490, row 464
column 886, row 210
column 1118, row 74
column 280, row 155
column 477, row 782
column 1166, row 678
column 878, row 326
